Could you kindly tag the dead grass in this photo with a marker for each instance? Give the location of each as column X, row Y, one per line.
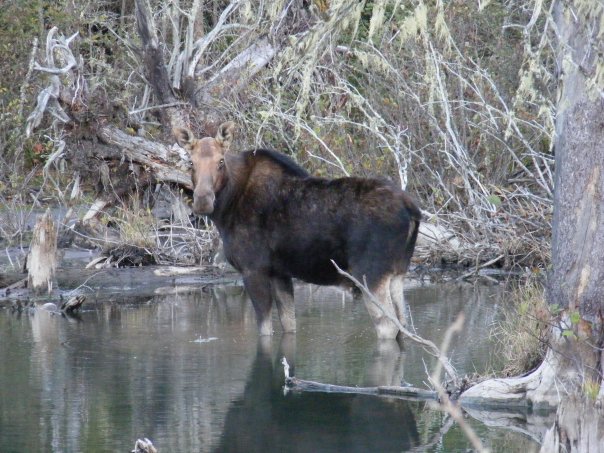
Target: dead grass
column 522, row 335
column 140, row 238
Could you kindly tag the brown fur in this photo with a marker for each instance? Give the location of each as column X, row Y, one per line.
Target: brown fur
column 279, row 223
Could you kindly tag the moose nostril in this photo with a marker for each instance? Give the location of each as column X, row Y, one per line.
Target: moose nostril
column 203, row 203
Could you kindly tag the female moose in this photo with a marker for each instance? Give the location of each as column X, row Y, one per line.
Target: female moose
column 279, row 223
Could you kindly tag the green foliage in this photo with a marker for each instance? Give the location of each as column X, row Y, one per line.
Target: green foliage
column 591, row 389
column 568, row 333
column 555, row 309
column 494, row 200
column 575, row 317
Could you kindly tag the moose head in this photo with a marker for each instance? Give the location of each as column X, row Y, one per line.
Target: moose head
column 208, row 158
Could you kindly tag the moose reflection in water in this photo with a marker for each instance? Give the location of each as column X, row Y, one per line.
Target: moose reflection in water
column 263, row 419
column 279, row 223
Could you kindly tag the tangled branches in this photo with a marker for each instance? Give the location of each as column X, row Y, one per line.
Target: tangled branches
column 457, row 113
column 470, row 135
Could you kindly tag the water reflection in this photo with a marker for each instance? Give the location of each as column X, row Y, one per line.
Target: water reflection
column 385, row 367
column 134, row 367
column 130, row 368
column 263, row 419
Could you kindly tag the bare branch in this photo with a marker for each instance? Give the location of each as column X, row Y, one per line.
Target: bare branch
column 429, row 346
column 201, row 45
column 453, row 409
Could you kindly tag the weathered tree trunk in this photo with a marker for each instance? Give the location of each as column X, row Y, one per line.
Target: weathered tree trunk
column 155, row 66
column 572, row 370
column 42, row 258
column 578, row 225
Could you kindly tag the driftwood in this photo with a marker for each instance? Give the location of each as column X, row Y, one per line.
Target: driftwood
column 42, row 258
column 144, row 446
column 73, row 304
column 408, row 393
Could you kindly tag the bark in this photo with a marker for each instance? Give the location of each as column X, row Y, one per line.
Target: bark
column 572, row 370
column 578, row 224
column 155, row 66
column 42, row 258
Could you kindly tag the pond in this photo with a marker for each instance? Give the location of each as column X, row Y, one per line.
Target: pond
column 188, row 371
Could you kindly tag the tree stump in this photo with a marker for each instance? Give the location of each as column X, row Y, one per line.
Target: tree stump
column 42, row 257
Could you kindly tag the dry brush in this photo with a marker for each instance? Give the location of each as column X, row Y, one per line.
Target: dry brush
column 458, row 111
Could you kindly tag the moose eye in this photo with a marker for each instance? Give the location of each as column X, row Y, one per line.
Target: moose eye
column 221, row 163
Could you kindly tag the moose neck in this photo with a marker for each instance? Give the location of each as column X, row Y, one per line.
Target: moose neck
column 237, row 171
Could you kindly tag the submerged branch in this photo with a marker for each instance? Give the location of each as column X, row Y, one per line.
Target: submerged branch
column 407, row 393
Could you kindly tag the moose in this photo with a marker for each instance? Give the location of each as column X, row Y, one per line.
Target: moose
column 278, row 223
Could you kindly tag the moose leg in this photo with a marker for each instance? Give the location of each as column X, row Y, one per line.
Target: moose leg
column 398, row 298
column 258, row 287
column 283, row 294
column 385, row 328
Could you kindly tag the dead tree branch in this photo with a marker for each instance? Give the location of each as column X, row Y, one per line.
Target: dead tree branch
column 429, row 346
column 50, row 97
column 453, row 409
column 406, row 393
column 155, row 67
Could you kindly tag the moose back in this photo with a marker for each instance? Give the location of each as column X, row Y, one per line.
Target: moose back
column 279, row 223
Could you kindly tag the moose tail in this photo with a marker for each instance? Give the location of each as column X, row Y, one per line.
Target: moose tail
column 415, row 217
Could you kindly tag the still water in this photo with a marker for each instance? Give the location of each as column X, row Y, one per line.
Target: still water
column 188, row 371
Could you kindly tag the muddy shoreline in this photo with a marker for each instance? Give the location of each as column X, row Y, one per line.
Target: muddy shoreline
column 72, row 277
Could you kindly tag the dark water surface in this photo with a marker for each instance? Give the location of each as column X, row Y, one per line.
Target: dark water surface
column 189, row 372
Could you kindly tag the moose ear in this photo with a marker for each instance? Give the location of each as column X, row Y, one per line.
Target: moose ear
column 224, row 136
column 184, row 137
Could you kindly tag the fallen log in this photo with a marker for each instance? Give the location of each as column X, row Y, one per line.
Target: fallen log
column 407, row 393
column 293, row 383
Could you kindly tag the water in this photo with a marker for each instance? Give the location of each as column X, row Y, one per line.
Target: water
column 188, row 371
